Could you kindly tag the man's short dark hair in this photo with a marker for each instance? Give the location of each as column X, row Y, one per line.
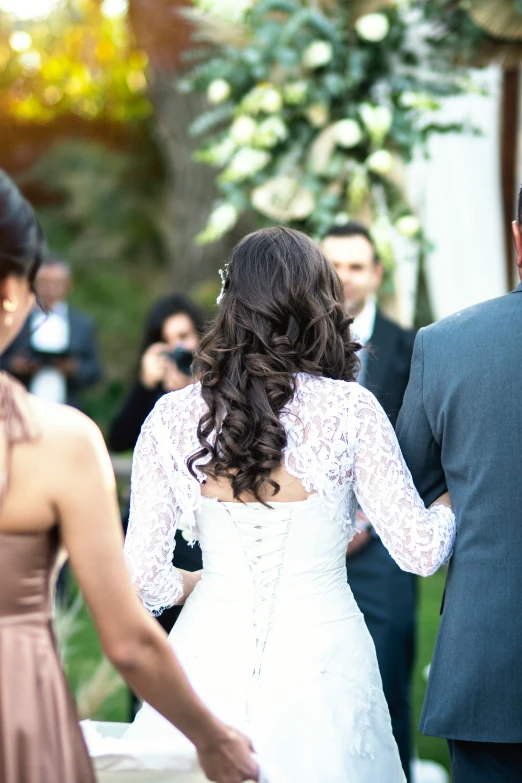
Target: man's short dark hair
column 353, row 229
column 519, row 207
column 56, row 261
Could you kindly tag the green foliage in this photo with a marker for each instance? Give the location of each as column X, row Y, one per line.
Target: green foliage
column 105, row 215
column 314, row 109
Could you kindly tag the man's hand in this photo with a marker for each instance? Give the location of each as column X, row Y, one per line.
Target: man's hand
column 24, row 366
column 69, row 366
column 229, row 759
column 363, row 534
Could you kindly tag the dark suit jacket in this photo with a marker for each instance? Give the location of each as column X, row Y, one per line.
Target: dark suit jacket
column 83, row 346
column 126, row 426
column 460, row 428
column 388, row 364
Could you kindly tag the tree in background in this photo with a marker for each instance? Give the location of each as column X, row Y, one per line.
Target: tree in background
column 165, row 35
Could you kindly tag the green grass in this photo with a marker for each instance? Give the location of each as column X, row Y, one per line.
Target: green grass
column 81, row 660
column 85, row 654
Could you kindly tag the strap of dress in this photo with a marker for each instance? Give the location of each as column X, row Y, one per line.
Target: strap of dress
column 17, row 424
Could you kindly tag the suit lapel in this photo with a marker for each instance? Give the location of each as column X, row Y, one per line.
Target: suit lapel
column 73, row 330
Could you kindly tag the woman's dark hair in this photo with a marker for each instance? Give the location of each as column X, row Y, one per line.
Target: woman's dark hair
column 21, row 237
column 167, row 306
column 282, row 312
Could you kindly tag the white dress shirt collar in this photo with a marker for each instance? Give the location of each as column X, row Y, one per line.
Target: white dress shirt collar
column 364, row 323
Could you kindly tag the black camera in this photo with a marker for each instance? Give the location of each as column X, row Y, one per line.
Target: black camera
column 182, row 358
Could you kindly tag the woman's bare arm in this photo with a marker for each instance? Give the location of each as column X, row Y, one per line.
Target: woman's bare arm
column 86, row 505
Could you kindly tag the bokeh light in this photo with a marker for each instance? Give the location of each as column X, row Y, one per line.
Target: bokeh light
column 28, row 9
column 20, row 41
column 114, row 9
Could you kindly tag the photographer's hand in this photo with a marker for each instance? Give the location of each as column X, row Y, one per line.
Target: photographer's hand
column 174, row 379
column 153, row 365
column 69, row 366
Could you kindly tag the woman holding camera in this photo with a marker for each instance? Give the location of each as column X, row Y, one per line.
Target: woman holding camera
column 172, row 332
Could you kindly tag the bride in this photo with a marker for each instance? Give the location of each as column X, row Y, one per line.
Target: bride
column 263, row 462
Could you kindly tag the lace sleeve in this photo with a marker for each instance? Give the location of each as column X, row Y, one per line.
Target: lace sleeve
column 418, row 539
column 150, row 541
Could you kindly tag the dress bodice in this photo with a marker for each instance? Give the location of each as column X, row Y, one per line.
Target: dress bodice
column 294, row 549
column 27, row 565
column 277, row 562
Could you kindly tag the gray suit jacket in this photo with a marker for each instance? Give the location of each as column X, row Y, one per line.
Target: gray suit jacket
column 461, row 428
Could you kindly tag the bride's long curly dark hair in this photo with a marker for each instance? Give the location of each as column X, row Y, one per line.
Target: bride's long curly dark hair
column 282, row 312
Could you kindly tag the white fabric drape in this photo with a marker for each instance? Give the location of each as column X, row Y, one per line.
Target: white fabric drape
column 457, row 195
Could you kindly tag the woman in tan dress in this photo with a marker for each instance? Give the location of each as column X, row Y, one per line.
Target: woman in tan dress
column 57, row 496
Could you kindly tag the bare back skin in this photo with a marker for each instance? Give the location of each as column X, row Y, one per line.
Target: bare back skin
column 291, row 489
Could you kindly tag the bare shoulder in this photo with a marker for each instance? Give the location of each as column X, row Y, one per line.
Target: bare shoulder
column 65, row 430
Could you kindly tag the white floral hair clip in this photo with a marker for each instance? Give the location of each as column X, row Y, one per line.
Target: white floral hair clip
column 223, row 273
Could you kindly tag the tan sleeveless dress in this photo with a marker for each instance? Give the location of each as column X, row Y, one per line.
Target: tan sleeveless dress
column 40, row 740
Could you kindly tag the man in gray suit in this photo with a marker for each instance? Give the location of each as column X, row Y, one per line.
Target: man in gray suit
column 460, row 429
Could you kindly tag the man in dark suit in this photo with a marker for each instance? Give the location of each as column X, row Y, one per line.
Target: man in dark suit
column 460, row 430
column 384, row 593
column 56, row 354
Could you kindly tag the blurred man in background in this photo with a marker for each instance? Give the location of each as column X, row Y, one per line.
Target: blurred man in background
column 56, row 355
column 384, row 593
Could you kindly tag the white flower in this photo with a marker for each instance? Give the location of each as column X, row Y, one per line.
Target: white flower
column 225, row 216
column 271, row 101
column 317, row 114
column 347, row 133
column 377, row 119
column 282, row 198
column 372, row 27
column 295, row 93
column 341, row 219
column 245, row 163
column 218, row 154
column 218, row 91
column 409, row 225
column 317, row 54
column 380, row 162
column 243, row 129
column 264, row 97
column 270, row 132
column 221, row 219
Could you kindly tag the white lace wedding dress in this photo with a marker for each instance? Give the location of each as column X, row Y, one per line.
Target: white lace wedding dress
column 271, row 638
